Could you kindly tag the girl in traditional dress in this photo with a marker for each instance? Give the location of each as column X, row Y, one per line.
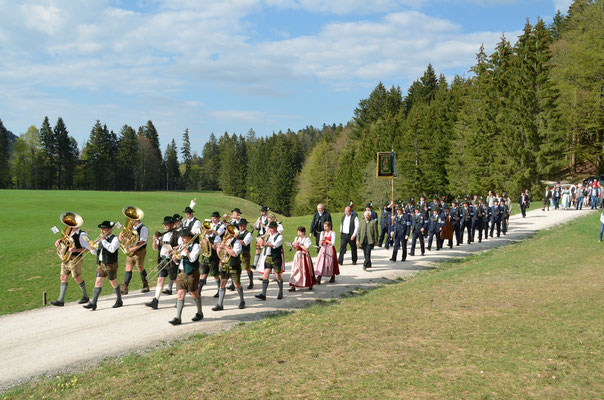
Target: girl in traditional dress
column 565, row 198
column 303, row 274
column 327, row 264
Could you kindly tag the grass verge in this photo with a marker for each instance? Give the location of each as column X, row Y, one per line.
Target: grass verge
column 524, row 321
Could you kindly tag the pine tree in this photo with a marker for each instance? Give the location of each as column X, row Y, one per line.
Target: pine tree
column 171, row 161
column 186, row 158
column 126, row 165
column 4, row 157
column 49, row 148
column 210, row 164
column 66, row 155
column 101, row 155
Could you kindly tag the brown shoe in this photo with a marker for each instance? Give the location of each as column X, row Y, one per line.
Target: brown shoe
column 145, row 288
column 124, row 289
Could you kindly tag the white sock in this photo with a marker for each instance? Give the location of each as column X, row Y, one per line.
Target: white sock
column 157, row 291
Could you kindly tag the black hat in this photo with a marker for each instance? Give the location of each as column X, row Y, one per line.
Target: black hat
column 185, row 232
column 264, row 208
column 106, row 224
column 188, row 210
column 351, row 204
column 177, row 217
column 236, row 210
column 368, row 205
column 216, row 214
column 273, row 224
column 242, row 221
column 168, row 220
column 410, row 201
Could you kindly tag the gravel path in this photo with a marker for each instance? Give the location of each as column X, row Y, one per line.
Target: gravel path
column 54, row 340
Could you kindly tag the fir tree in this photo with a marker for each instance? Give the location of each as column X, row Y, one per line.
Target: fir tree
column 186, row 158
column 4, row 157
column 171, row 161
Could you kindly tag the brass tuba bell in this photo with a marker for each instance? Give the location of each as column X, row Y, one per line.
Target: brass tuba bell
column 129, row 236
column 70, row 220
column 206, row 246
column 231, row 232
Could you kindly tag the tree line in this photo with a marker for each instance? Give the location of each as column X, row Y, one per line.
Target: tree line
column 530, row 111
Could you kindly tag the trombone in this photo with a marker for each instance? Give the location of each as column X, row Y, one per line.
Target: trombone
column 94, row 244
column 176, row 252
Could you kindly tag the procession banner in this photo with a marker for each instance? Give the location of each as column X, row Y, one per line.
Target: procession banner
column 386, row 165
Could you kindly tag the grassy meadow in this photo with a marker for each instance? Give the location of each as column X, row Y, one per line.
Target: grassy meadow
column 522, row 321
column 28, row 262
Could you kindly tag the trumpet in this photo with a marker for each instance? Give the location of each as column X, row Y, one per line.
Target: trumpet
column 129, row 236
column 70, row 220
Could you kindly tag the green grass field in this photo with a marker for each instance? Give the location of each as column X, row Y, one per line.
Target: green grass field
column 523, row 321
column 28, row 262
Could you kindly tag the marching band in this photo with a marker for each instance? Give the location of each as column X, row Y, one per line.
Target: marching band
column 190, row 250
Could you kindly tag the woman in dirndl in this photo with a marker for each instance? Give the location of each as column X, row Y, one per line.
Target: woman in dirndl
column 303, row 274
column 327, row 264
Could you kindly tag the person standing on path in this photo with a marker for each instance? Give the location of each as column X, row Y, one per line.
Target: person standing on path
column 348, row 234
column 367, row 237
column 602, row 225
column 523, row 203
column 318, row 221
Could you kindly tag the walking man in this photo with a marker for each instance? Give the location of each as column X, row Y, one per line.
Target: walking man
column 367, row 237
column 348, row 233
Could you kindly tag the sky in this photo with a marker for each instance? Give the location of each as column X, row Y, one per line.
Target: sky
column 232, row 65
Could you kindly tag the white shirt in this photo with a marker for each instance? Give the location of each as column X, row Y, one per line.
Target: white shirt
column 346, row 225
column 258, row 226
column 83, row 239
column 164, row 242
column 110, row 246
column 276, row 240
column 219, row 227
column 193, row 255
column 305, row 241
column 144, row 235
column 331, row 236
column 602, row 218
column 193, row 227
column 237, row 248
column 247, row 239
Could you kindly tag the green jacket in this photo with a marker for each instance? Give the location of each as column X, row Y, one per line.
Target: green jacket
column 370, row 229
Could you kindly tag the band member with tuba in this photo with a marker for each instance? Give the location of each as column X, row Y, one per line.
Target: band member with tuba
column 74, row 243
column 164, row 242
column 245, row 238
column 188, row 277
column 107, row 255
column 272, row 259
column 135, row 253
column 229, row 251
column 209, row 257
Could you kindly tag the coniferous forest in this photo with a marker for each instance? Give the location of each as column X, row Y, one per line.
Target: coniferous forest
column 527, row 112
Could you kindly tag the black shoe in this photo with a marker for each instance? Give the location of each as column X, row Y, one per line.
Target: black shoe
column 260, row 296
column 318, row 279
column 118, row 304
column 197, row 317
column 250, row 286
column 279, row 296
column 423, row 254
column 354, row 263
column 90, row 306
column 291, row 289
column 84, row 300
column 242, row 305
column 145, row 288
column 167, row 291
column 153, row 303
column 175, row 321
column 333, row 279
column 59, row 303
column 231, row 287
column 216, row 295
column 392, row 259
column 412, row 254
column 217, row 307
column 429, row 248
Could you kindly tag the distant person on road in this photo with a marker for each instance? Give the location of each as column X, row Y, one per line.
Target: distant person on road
column 318, row 221
column 579, row 194
column 348, row 234
column 367, row 237
column 601, row 225
column 547, row 196
column 385, row 225
column 556, row 196
column 523, row 202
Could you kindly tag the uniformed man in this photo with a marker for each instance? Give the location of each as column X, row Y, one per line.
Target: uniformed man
column 457, row 221
column 191, row 223
column 385, row 223
column 434, row 205
column 210, row 266
column 273, row 260
column 496, row 214
column 164, row 243
column 107, row 257
column 73, row 266
column 372, row 213
column 138, row 251
column 402, row 229
column 505, row 214
column 434, row 227
column 231, row 269
column 188, row 276
column 486, row 219
column 467, row 215
column 479, row 217
column 418, row 227
column 409, row 208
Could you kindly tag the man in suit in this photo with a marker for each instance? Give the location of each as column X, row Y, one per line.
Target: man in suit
column 401, row 229
column 496, row 214
column 318, row 220
column 457, row 221
column 523, row 203
column 385, row 224
column 547, row 195
column 434, row 227
column 367, row 237
column 418, row 227
column 349, row 227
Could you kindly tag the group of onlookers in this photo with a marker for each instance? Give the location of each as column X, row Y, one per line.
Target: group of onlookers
column 574, row 196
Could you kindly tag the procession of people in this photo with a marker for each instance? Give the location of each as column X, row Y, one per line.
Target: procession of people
column 190, row 250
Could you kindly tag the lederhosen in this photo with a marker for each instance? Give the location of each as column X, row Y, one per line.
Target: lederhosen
column 275, row 260
column 232, row 268
column 72, row 266
column 245, row 249
column 171, row 269
column 188, row 278
column 107, row 261
column 209, row 265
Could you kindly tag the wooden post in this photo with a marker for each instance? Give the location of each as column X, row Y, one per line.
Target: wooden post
column 43, row 298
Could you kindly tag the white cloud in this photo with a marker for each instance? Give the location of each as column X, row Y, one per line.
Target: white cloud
column 246, row 116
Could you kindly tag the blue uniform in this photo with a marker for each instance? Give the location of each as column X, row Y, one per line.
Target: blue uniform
column 401, row 229
column 385, row 223
column 434, row 227
column 456, row 218
column 418, row 222
column 496, row 216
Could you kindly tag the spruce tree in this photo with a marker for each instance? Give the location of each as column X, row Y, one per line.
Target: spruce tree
column 126, row 166
column 48, row 169
column 4, row 157
column 186, row 158
column 171, row 161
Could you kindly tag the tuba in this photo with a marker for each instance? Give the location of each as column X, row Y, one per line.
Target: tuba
column 70, row 220
column 129, row 236
column 231, row 232
column 206, row 246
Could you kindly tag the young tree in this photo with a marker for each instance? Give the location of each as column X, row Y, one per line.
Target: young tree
column 4, row 157
column 171, row 161
column 186, row 158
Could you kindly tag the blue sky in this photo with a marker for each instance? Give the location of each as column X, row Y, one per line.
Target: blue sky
column 231, row 65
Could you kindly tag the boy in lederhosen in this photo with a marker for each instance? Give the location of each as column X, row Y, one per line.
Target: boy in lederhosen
column 107, row 252
column 188, row 277
column 231, row 269
column 273, row 257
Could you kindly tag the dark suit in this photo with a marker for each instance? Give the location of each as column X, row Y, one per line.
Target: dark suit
column 385, row 223
column 346, row 238
column 523, row 203
column 401, row 229
column 367, row 238
column 496, row 216
column 418, row 222
column 434, row 227
column 316, row 226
